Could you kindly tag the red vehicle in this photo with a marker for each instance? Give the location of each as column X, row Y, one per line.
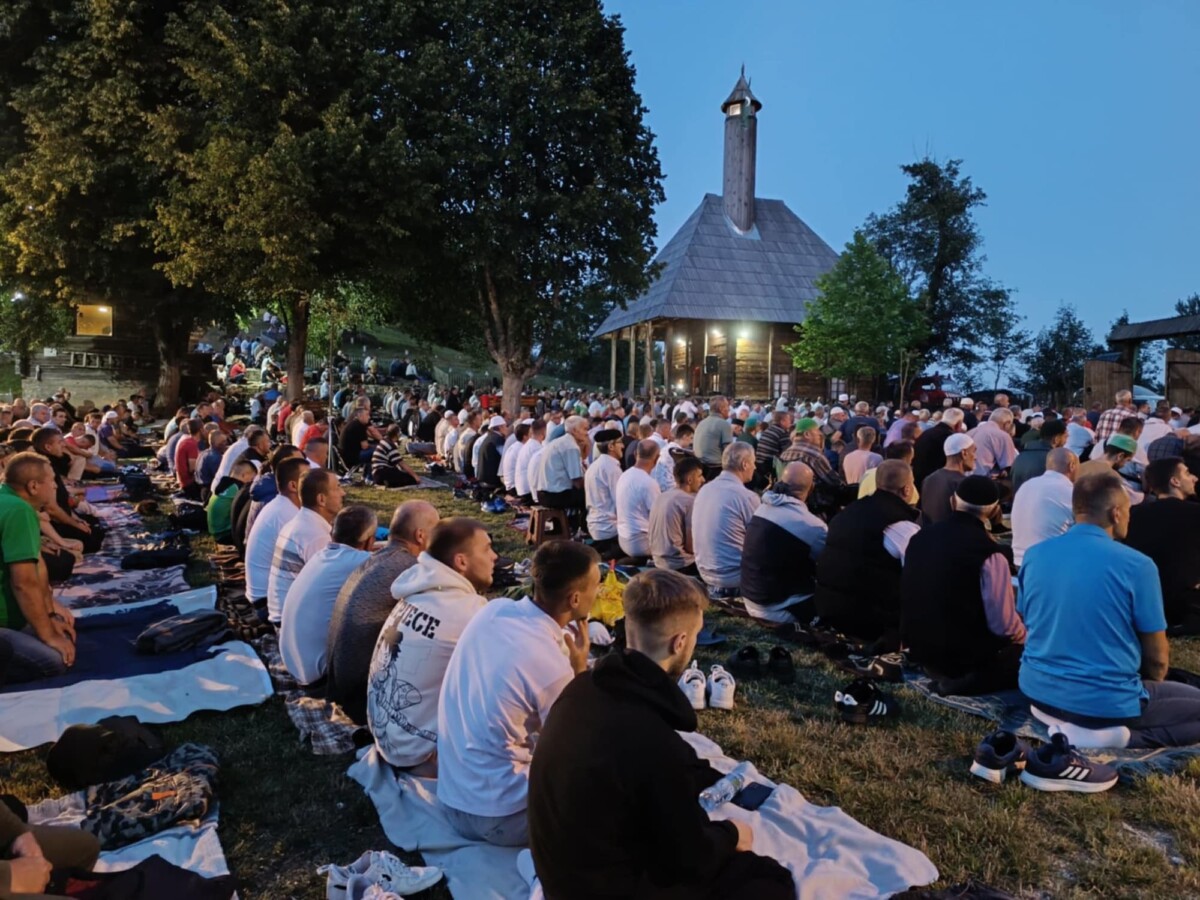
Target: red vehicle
column 931, row 390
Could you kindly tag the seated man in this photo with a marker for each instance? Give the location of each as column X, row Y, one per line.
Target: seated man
column 610, row 755
column 858, row 573
column 561, row 482
column 187, row 458
column 779, row 557
column 720, row 515
column 527, row 460
column 600, row 491
column 364, row 603
column 671, row 519
column 490, row 449
column 939, row 486
column 387, row 465
column 40, row 631
column 858, row 461
column 28, row 853
column 1032, row 461
column 636, row 492
column 510, row 665
column 435, row 599
column 958, row 616
column 511, row 452
column 1118, row 450
column 1042, row 509
column 1095, row 658
column 220, row 504
column 304, row 536
column 1168, row 531
column 260, row 542
column 308, row 607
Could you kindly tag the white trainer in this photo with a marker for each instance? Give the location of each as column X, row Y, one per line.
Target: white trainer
column 389, row 873
column 693, row 685
column 339, row 876
column 720, row 688
column 375, row 892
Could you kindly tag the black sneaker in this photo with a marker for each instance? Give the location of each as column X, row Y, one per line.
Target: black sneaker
column 1057, row 766
column 780, row 665
column 885, row 667
column 745, row 664
column 998, row 754
column 860, row 703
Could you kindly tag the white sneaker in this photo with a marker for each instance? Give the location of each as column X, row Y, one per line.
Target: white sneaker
column 720, row 688
column 693, row 685
column 388, row 872
column 339, row 876
column 375, row 892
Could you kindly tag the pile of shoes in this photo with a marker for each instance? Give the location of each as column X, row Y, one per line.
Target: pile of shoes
column 746, row 664
column 1054, row 766
column 377, row 875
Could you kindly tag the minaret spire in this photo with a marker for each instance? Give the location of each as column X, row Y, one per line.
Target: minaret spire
column 741, row 145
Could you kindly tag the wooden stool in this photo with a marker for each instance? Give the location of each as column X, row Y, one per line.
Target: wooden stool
column 543, row 518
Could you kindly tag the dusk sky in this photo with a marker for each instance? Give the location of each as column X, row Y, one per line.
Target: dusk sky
column 1079, row 118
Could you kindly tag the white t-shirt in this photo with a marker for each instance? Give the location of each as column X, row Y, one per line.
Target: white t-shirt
column 600, row 488
column 537, row 476
column 561, row 464
column 636, row 493
column 299, row 541
column 521, row 475
column 236, row 449
column 411, row 656
column 509, row 667
column 1041, row 510
column 299, row 431
column 508, row 464
column 260, row 544
column 304, row 629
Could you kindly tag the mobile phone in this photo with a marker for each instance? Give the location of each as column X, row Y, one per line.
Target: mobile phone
column 752, row 796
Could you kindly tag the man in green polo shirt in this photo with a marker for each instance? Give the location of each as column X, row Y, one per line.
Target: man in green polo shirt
column 40, row 630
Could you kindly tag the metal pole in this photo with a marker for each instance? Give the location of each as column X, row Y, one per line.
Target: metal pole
column 632, row 361
column 612, row 366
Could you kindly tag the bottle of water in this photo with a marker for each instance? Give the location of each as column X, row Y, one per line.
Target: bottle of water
column 724, row 790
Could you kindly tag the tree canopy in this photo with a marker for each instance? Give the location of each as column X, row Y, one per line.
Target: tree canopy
column 1054, row 362
column 863, row 323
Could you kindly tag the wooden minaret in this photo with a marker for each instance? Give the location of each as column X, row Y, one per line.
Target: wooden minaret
column 741, row 142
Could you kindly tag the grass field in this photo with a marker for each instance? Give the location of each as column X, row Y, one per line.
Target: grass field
column 285, row 811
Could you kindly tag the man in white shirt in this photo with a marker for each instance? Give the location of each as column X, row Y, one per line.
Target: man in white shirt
column 305, row 422
column 511, row 663
column 512, row 450
column 537, row 434
column 436, row 599
column 722, row 510
column 304, row 536
column 636, row 492
column 304, row 629
column 1042, row 508
column 600, row 488
column 252, row 435
column 260, row 542
column 562, row 467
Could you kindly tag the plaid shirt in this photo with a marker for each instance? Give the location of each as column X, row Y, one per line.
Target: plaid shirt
column 1110, row 422
column 1166, row 446
column 815, row 459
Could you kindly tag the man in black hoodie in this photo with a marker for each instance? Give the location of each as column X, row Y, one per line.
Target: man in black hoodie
column 613, row 790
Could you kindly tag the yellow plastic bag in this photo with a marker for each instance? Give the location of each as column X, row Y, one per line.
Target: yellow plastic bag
column 610, row 600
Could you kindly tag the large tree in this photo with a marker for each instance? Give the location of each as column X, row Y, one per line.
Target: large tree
column 1054, row 362
column 294, row 172
column 932, row 241
column 549, row 184
column 77, row 193
column 863, row 323
column 998, row 338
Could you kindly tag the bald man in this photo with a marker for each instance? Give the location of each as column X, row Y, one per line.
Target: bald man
column 779, row 556
column 1042, row 508
column 364, row 603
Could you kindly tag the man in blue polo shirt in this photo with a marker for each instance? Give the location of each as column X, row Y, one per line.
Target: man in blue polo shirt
column 1096, row 653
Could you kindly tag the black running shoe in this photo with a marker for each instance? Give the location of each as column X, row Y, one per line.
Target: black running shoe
column 860, row 703
column 998, row 754
column 745, row 664
column 1057, row 766
column 780, row 665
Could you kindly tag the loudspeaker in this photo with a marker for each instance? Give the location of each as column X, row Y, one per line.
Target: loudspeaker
column 712, row 365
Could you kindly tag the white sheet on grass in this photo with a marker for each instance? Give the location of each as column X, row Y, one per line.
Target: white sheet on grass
column 193, row 846
column 830, row 854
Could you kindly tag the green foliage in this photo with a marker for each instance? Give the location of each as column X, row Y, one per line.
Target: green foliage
column 27, row 323
column 997, row 338
column 932, row 241
column 863, row 323
column 1054, row 362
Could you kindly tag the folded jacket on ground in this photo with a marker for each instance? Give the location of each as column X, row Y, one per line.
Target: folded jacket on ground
column 184, row 631
column 115, row 747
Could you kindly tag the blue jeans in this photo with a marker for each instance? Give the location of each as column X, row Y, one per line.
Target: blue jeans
column 31, row 658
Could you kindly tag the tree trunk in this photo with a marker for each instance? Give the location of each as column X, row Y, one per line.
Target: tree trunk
column 297, row 345
column 171, row 334
column 513, row 386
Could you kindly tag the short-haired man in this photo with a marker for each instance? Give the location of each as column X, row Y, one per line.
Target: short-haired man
column 234, row 453
column 1032, row 461
column 611, row 754
column 187, row 456
column 995, row 451
column 1043, row 508
column 530, row 451
column 856, row 463
column 773, row 440
column 220, row 504
column 364, row 603
column 512, row 452
column 40, row 631
column 939, row 486
column 600, row 490
column 720, row 515
column 636, row 492
column 1110, row 420
column 308, row 607
column 714, row 433
column 1095, row 659
column 858, row 573
column 304, row 536
column 511, row 663
column 671, row 519
column 779, row 556
column 359, row 437
column 929, row 453
column 1168, row 531
column 958, row 614
column 561, row 482
column 435, row 599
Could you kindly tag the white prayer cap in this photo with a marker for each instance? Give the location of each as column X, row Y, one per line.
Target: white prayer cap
column 496, row 422
column 957, row 443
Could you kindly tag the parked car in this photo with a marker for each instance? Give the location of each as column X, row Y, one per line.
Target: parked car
column 931, row 390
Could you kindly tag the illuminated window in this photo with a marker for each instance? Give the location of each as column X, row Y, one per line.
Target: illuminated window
column 734, row 109
column 93, row 319
column 781, row 384
column 837, row 386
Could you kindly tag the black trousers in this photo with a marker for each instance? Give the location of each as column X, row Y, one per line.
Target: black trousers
column 60, row 564
column 390, row 476
column 986, row 674
column 568, row 499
